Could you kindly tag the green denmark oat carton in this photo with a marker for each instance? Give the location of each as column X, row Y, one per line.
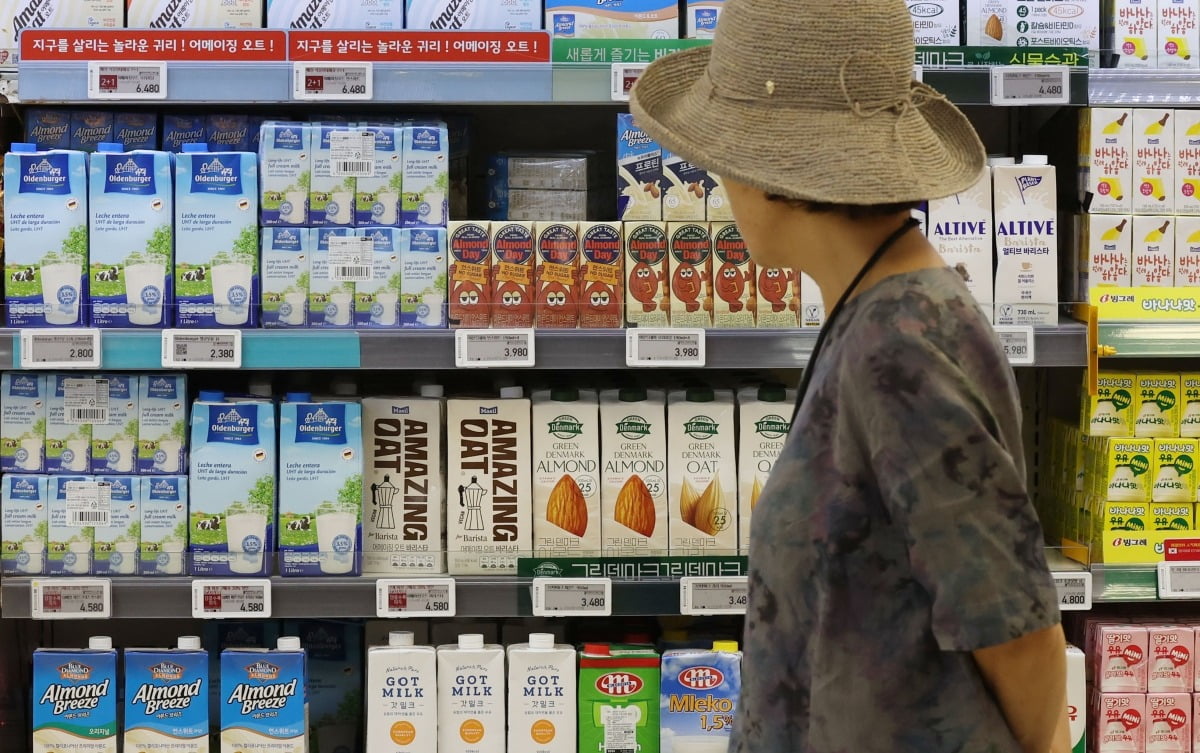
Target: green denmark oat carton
column 618, row 699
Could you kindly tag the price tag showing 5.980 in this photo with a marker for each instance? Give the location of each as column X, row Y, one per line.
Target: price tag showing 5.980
column 71, row 599
column 1018, row 344
column 715, row 595
column 414, row 597
column 343, row 81
column 572, row 597
column 201, row 348
column 127, row 80
column 233, row 598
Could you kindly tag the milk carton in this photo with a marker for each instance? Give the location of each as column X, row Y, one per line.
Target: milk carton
column 22, row 422
column 1178, row 36
column 642, row 19
column 162, row 424
column 164, row 524
column 691, row 274
column 23, row 524
column 401, row 697
column 734, row 301
column 46, row 232
column 1153, row 161
column 403, row 513
column 1122, row 659
column 1077, row 692
column 1135, row 33
column 960, row 228
column 1168, row 722
column 285, row 276
column 90, row 129
column 216, row 238
column 1126, row 469
column 136, row 130
column 230, row 133
column 74, row 503
column 48, row 128
column 633, row 467
column 68, row 436
column 647, row 263
column 602, row 286
column 1110, row 410
column 335, row 14
column 426, row 176
column 422, row 278
column 765, row 421
column 812, row 304
column 566, row 473
column 619, row 699
column 702, row 490
column 377, row 198
column 330, row 300
column 777, row 297
column 232, row 483
column 1189, row 419
column 522, row 15
column 1172, row 659
column 285, row 167
column 1187, row 162
column 1153, row 252
column 1174, row 471
column 1187, row 251
column 377, row 301
column 699, row 698
column 684, row 189
column 182, row 129
column 936, row 23
column 1156, row 405
column 115, row 443
column 334, row 654
column 1026, row 243
column 490, row 500
column 330, row 195
column 557, row 275
column 512, row 274
column 117, row 544
column 1121, row 723
column 471, row 716
column 719, row 209
column 166, row 698
column 702, row 17
column 1110, row 177
column 194, row 14
column 320, row 493
column 1032, row 23
column 75, row 698
column 1108, row 244
column 542, row 696
column 470, row 274
column 263, row 699
column 639, row 171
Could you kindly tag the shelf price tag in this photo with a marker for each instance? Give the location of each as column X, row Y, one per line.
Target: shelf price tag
column 572, row 597
column 624, row 76
column 664, row 347
column 415, row 597
column 1179, row 580
column 1018, row 344
column 715, row 595
column 71, row 599
column 202, row 349
column 343, row 81
column 493, row 348
column 1074, row 591
column 1014, row 85
column 60, row 348
column 127, row 80
column 232, row 598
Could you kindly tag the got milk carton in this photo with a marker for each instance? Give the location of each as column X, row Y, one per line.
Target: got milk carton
column 75, row 698
column 633, row 472
column 699, row 698
column 166, row 698
column 1026, row 242
column 23, row 403
column 285, row 275
column 162, row 424
column 426, row 150
column 423, row 278
column 264, row 703
column 619, row 699
column 164, row 524
column 471, row 697
column 401, row 697
column 114, row 443
column 542, row 696
column 23, row 524
column 285, row 167
column 116, row 544
column 216, row 238
column 46, row 237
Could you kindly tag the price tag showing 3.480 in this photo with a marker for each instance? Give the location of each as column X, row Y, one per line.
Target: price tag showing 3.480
column 715, row 595
column 201, row 348
column 71, row 599
column 414, row 597
column 232, row 598
column 572, row 597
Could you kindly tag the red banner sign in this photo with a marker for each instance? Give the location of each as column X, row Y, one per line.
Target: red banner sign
column 183, row 45
column 419, row 46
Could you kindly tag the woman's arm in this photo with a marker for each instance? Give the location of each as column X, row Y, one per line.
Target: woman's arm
column 1028, row 677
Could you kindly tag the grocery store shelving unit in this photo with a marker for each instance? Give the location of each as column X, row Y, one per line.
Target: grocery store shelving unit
column 1152, row 87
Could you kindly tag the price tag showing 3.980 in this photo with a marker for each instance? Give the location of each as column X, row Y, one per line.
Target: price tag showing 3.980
column 664, row 347
column 1031, row 85
column 1074, row 591
column 572, row 597
column 233, row 598
column 201, row 348
column 71, row 599
column 322, row 81
column 60, row 349
column 414, row 597
column 502, row 348
column 715, row 595
column 1018, row 344
column 127, row 80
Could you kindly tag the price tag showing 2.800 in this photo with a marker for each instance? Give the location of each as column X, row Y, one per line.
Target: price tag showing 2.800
column 201, row 348
column 71, row 599
column 715, row 595
column 232, row 598
column 343, row 81
column 664, row 347
column 127, row 80
column 497, row 348
column 572, row 597
column 60, row 349
column 414, row 597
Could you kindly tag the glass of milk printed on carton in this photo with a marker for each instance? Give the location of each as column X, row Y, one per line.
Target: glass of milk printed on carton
column 46, row 237
column 23, row 524
column 426, row 155
column 699, row 698
column 1026, row 242
column 23, row 404
column 76, row 503
column 75, row 698
column 164, row 533
column 166, row 698
column 330, row 296
column 285, row 276
column 330, row 193
column 264, row 702
column 68, row 434
column 285, row 169
column 162, row 424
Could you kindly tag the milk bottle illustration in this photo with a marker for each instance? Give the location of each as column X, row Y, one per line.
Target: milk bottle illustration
column 542, row 696
column 470, row 696
column 75, row 698
column 264, row 706
column 166, row 698
column 402, row 705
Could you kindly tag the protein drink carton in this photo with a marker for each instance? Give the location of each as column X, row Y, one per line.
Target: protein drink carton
column 24, row 526
column 639, row 171
column 619, row 698
column 1026, row 242
column 1187, row 162
column 1178, row 35
column 1110, row 176
column 264, row 704
column 521, row 15
column 601, row 281
column 647, row 263
column 643, row 19
column 48, row 127
column 1077, row 699
column 1109, row 248
column 1168, row 722
column 166, row 698
column 488, row 444
column 1153, row 161
column 936, row 23
column 1153, row 252
column 699, row 698
column 377, row 197
column 423, row 278
column 426, row 168
column 90, row 128
column 164, row 531
column 162, row 424
column 23, row 422
column 691, row 274
column 75, row 698
column 1121, row 722
column 1135, row 33
column 685, row 187
column 702, row 15
column 1122, row 659
column 1126, row 469
column 401, row 697
column 512, row 274
column 470, row 274
column 556, row 275
column 765, row 420
column 335, row 14
column 734, row 300
column 117, row 543
column 285, row 169
column 633, row 466
column 1174, row 471
column 136, row 130
column 1156, row 405
column 194, row 14
column 285, row 276
column 543, row 705
column 76, row 505
column 46, row 232
column 1031, row 23
column 566, row 473
column 960, row 228
column 114, row 443
column 702, row 490
column 471, row 709
column 1172, row 661
column 68, row 431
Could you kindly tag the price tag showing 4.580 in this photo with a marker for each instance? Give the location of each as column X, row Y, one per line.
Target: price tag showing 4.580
column 493, row 348
column 201, row 348
column 414, row 597
column 60, row 349
column 71, row 599
column 715, row 595
column 1018, row 344
column 127, row 80
column 572, row 597
column 343, row 81
column 664, row 347
column 232, row 598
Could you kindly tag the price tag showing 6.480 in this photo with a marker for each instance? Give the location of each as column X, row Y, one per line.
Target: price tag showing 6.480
column 572, row 597
column 322, row 81
column 127, row 80
column 71, row 599
column 716, row 595
column 60, row 349
column 483, row 348
column 232, row 598
column 664, row 347
column 414, row 597
column 202, row 348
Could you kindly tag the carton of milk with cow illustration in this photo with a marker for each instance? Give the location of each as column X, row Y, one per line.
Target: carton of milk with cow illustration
column 285, row 168
column 285, row 252
column 23, row 402
column 164, row 533
column 116, row 544
column 115, row 442
column 162, row 424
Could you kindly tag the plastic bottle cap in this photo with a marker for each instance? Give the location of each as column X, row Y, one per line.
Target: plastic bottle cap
column 299, row 397
column 196, row 147
column 700, row 395
column 100, row 643
column 772, row 393
column 288, row 643
column 564, row 394
column 343, row 387
column 110, row 146
column 401, row 638
column 22, row 148
column 596, row 649
column 432, row 390
column 510, row 393
column 631, row 394
column 727, row 647
column 470, row 641
column 995, row 161
column 541, row 640
column 189, row 642
column 212, row 396
column 1035, row 159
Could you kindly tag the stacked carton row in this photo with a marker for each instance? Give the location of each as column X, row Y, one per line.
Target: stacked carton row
column 1156, row 34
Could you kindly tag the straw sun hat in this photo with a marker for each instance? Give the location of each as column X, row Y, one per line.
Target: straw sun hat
column 811, row 99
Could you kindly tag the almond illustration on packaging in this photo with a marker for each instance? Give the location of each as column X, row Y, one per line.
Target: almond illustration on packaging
column 566, row 467
column 733, row 279
column 994, row 27
column 600, row 276
column 691, row 274
column 633, row 489
column 557, row 276
column 647, row 297
column 512, row 275
column 470, row 275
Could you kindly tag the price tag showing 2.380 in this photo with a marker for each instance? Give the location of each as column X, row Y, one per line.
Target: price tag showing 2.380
column 201, row 348
column 233, row 598
column 135, row 80
column 71, row 599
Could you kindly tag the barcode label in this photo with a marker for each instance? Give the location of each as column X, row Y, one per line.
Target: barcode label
column 350, row 258
column 87, row 416
column 352, row 167
column 352, row 154
column 358, row 273
column 80, row 518
column 85, row 401
column 89, row 503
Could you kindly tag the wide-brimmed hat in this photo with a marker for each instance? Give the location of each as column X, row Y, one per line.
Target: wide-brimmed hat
column 811, row 99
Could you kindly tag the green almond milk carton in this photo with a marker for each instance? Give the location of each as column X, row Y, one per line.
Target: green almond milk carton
column 618, row 699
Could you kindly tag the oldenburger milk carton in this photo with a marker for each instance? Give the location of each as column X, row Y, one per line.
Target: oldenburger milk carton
column 377, row 198
column 22, row 421
column 377, row 300
column 426, row 150
column 422, row 278
column 115, row 442
column 76, row 504
column 542, row 696
column 164, row 524
column 166, row 698
column 264, row 702
column 24, row 525
column 75, row 698
column 117, row 544
column 285, row 167
column 285, row 276
column 330, row 295
column 162, row 424
column 330, row 193
column 566, row 473
column 68, row 431
column 471, row 713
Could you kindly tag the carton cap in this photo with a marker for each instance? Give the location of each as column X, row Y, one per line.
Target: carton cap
column 1035, row 159
column 100, row 643
column 564, row 394
column 288, row 643
column 541, row 641
column 995, row 161
column 470, row 641
column 700, row 395
column 772, row 393
column 299, row 397
column 432, row 390
column 212, row 396
column 110, row 146
column 598, row 649
column 400, row 638
column 193, row 148
column 511, row 393
column 22, row 148
column 189, row 642
column 632, row 394
column 730, row 647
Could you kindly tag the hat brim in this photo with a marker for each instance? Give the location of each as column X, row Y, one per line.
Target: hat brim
column 927, row 151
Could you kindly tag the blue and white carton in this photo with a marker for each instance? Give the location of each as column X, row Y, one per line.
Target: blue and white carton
column 216, row 238
column 131, row 245
column 699, row 693
column 182, row 129
column 232, row 485
column 68, row 439
column 23, row 404
column 24, row 524
column 377, row 301
column 630, row 19
column 264, row 702
column 320, row 511
column 228, row 133
column 166, row 698
column 115, row 443
column 90, row 129
column 75, row 698
column 426, row 180
column 70, row 536
column 423, row 278
column 46, row 237
column 334, row 654
column 136, row 130
column 330, row 197
column 377, row 198
column 162, row 424
column 285, row 169
column 48, row 127
column 164, row 534
column 330, row 302
column 117, row 544
column 285, row 276
column 451, row 15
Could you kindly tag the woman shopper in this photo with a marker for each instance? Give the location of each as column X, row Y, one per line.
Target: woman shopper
column 899, row 596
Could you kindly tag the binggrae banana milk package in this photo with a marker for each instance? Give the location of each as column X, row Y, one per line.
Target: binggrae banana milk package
column 633, row 468
column 702, row 487
column 566, row 478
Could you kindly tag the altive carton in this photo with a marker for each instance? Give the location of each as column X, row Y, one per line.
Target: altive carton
column 776, row 296
column 642, row 19
column 285, row 276
column 556, row 275
column 521, row 15
column 23, row 421
column 136, row 130
column 1135, row 33
column 633, row 467
column 1153, row 252
column 1168, row 722
column 812, row 304
column 619, row 702
column 700, row 692
column 401, row 695
column 1156, row 405
column 960, row 228
column 1153, row 161
column 194, row 14
column 542, row 696
column 765, row 418
column 117, row 544
column 1031, row 23
column 470, row 274
column 68, row 437
column 335, row 14
column 691, row 274
column 377, row 198
column 701, row 459
column 178, row 130
column 1172, row 659
column 71, row 534
column 512, row 275
column 1121, row 722
column 1122, row 658
column 1110, row 177
column 48, row 128
column 1178, row 35
column 24, row 505
column 1174, row 471
column 75, row 698
column 330, row 196
column 1187, row 162
column 640, row 179
column 90, row 129
column 566, row 473
column 426, row 175
column 1109, row 248
column 164, row 524
column 166, row 698
column 936, row 23
column 701, row 18
column 602, row 286
column 264, row 704
column 647, row 263
column 162, row 424
column 1026, row 224
column 471, row 708
column 285, row 169
column 734, row 300
column 422, row 278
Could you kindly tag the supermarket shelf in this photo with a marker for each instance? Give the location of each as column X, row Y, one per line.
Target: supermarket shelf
column 1150, row 87
column 1149, row 339
column 1124, row 583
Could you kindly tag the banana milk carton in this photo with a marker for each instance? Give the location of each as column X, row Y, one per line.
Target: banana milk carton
column 1187, row 251
column 512, row 274
column 1110, row 411
column 1135, row 33
column 1174, row 471
column 1178, row 35
column 557, row 275
column 647, row 263
column 566, row 473
column 765, row 422
column 470, row 274
column 633, row 467
column 22, row 422
column 1153, row 252
column 702, row 490
column 691, row 274
column 1187, row 162
column 1157, row 404
column 75, row 698
column 960, row 228
column 1153, row 161
column 24, row 505
column 264, row 704
column 602, row 285
column 1127, row 469
column 401, row 697
column 1026, row 225
column 1109, row 248
column 734, row 300
column 699, row 698
column 1110, row 179
column 543, row 706
column 166, row 698
column 164, row 533
column 471, row 712
column 619, row 704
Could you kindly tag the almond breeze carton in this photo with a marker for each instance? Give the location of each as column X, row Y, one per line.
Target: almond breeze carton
column 164, row 533
column 48, row 128
column 639, row 19
column 702, row 15
column 136, row 130
column 470, row 274
column 699, row 691
column 285, row 276
column 90, row 128
column 264, row 701
column 24, row 505
column 166, row 698
column 75, row 698
column 23, row 421
column 639, row 172
column 285, row 169
column 181, row 129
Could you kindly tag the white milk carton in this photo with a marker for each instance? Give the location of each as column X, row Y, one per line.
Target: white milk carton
column 1135, row 33
column 24, row 505
column 1077, row 698
column 194, row 14
column 639, row 172
column 423, row 278
column 542, row 696
column 335, row 14
column 131, row 244
column 320, row 493
column 330, row 300
column 377, row 301
column 285, row 276
column 285, row 168
column 231, row 522
column 115, row 443
column 164, row 536
column 765, row 417
column 936, row 23
column 166, row 698
column 45, row 234
column 117, row 543
column 633, row 467
column 23, row 404
column 377, row 198
column 162, row 424
column 75, row 698
column 1109, row 249
column 68, row 435
column 471, row 696
column 74, row 502
column 1153, row 252
column 490, row 498
column 702, row 15
column 702, row 460
column 960, row 228
column 812, row 305
column 1187, row 162
column 566, row 473
column 700, row 692
column 452, row 15
column 264, row 702
column 1153, row 162
column 216, row 238
column 1110, row 175
column 401, row 696
column 426, row 166
column 1026, row 242
column 1178, row 35
column 403, row 503
column 639, row 19
column 1187, row 251
column 330, row 197
column 18, row 15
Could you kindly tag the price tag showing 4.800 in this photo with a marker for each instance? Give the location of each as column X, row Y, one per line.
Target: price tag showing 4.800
column 322, row 81
column 414, row 597
column 60, row 349
column 572, row 597
column 715, row 595
column 1074, row 591
column 201, row 348
column 664, row 347
column 232, row 598
column 493, row 348
column 127, row 80
column 71, row 599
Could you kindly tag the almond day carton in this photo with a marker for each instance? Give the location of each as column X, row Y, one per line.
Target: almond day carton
column 691, row 274
column 1122, row 659
column 600, row 275
column 1172, row 659
column 777, row 297
column 619, row 702
column 1110, row 179
column 1187, row 162
column 1109, row 248
column 647, row 264
column 1135, row 33
column 1156, row 405
column 512, row 275
column 1120, row 722
column 701, row 459
column 633, row 466
column 1168, row 722
column 1174, row 471
column 700, row 691
column 556, row 275
column 1153, row 252
column 470, row 274
column 734, row 301
column 75, row 698
column 764, row 415
column 566, row 473
column 1153, row 161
